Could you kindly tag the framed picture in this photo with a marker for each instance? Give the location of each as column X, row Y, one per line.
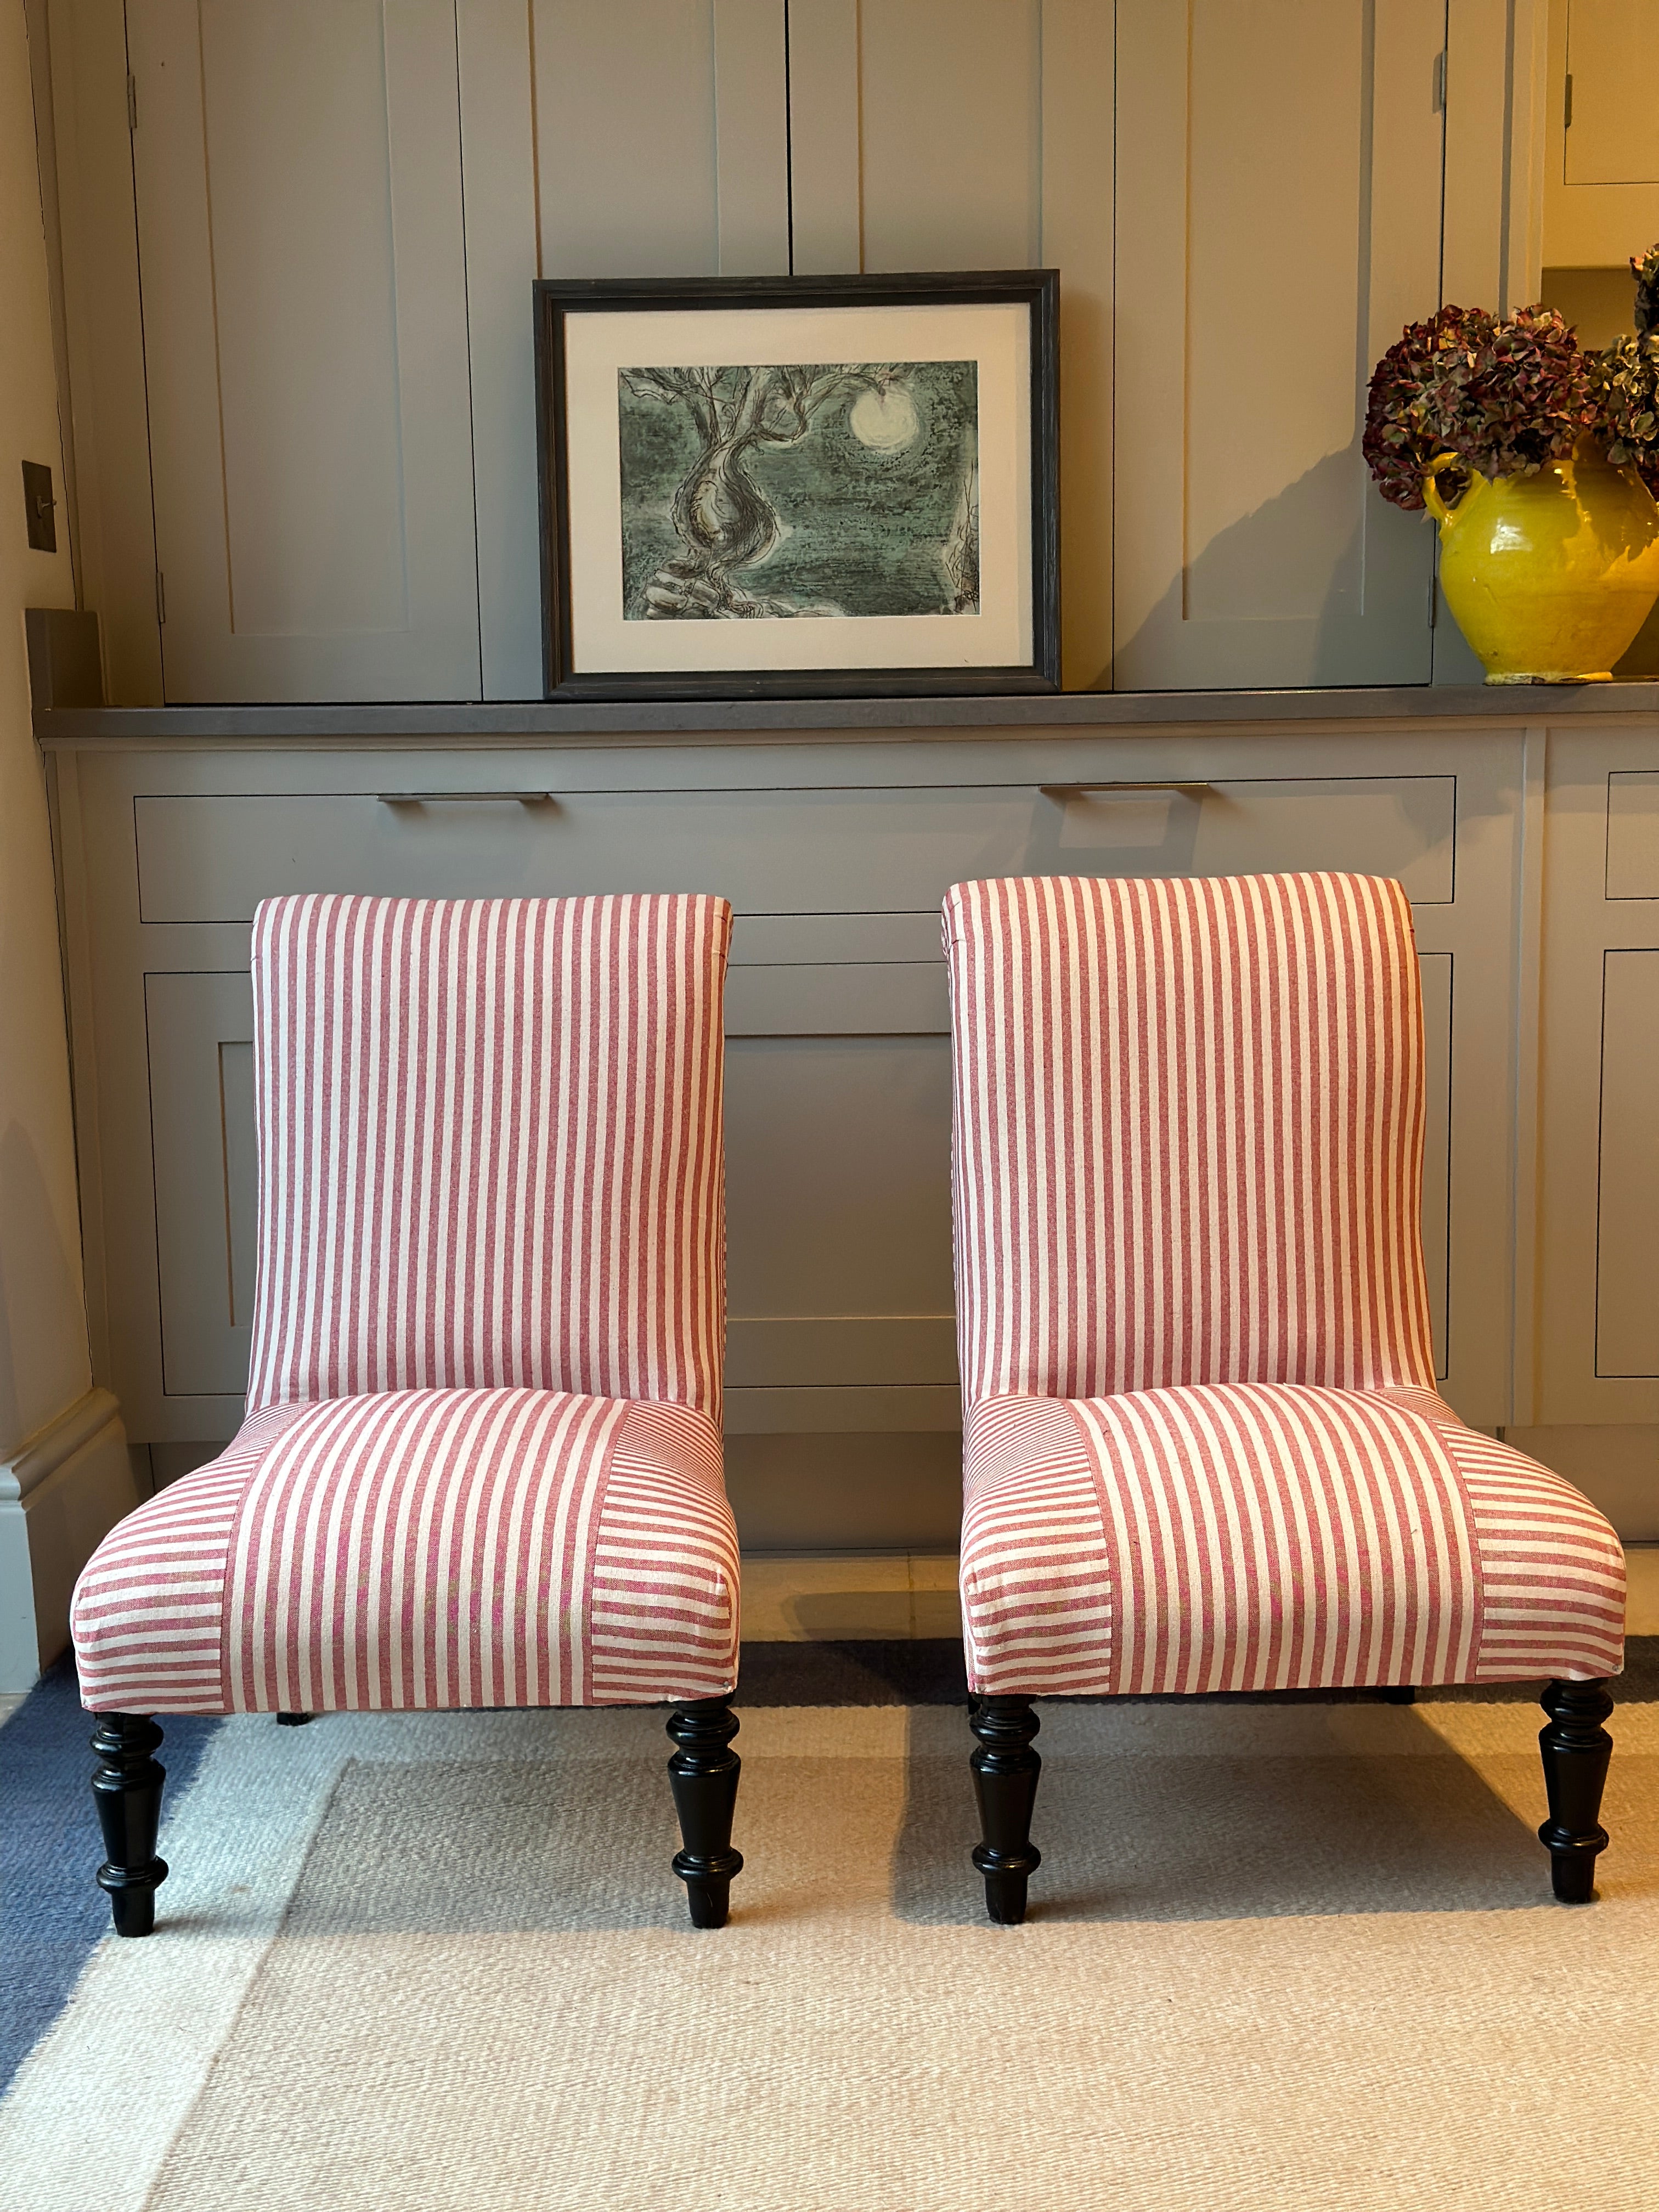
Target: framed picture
column 777, row 487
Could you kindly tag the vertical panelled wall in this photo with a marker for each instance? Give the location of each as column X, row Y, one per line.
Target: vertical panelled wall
column 298, row 180
column 298, row 246
column 748, row 137
column 1296, row 180
column 366, row 188
column 1280, row 219
column 977, row 134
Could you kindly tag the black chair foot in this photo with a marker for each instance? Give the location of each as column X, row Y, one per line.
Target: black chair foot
column 709, row 1903
column 126, row 1788
column 1575, row 1749
column 1400, row 1693
column 1005, row 1893
column 702, row 1774
column 1005, row 1770
column 294, row 1720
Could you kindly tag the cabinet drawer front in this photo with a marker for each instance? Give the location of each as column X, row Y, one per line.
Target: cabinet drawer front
column 211, row 858
column 1633, row 835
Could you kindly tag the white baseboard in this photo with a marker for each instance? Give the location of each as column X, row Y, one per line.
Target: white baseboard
column 60, row 1493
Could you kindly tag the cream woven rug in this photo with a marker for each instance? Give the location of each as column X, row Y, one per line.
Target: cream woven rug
column 1282, row 1956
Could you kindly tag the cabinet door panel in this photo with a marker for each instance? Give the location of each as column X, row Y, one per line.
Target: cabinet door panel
column 1598, row 1219
column 498, row 176
column 952, row 118
column 1632, row 835
column 838, row 1232
column 1613, row 56
column 299, row 193
column 838, row 1201
column 1628, row 1193
column 1251, row 547
column 839, row 1176
column 1435, row 972
column 199, row 1030
column 660, row 137
column 972, row 134
column 1602, row 166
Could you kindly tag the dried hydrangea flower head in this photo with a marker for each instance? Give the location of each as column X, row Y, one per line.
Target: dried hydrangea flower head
column 1624, row 377
column 1505, row 397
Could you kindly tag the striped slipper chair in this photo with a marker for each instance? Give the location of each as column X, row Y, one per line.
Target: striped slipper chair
column 481, row 1464
column 1203, row 1450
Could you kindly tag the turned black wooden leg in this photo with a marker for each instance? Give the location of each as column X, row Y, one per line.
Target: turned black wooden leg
column 1577, row 1749
column 126, row 1788
column 1005, row 1770
column 293, row 1720
column 703, row 1776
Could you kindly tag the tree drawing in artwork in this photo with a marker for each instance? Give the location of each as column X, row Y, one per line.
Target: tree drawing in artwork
column 824, row 488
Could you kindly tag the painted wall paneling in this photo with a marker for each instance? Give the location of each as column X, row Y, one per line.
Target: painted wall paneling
column 498, row 201
column 1496, row 58
column 836, row 857
column 1598, row 1336
column 1493, row 230
column 108, row 421
column 373, row 533
column 645, row 138
column 306, row 347
column 975, row 133
column 1602, row 191
column 661, row 130
column 1254, row 200
column 198, row 1031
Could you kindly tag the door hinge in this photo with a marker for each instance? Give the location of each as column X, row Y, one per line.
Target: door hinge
column 1440, row 82
column 1566, row 105
column 132, row 101
column 161, row 597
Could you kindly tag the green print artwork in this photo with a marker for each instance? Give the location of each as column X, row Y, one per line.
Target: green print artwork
column 819, row 489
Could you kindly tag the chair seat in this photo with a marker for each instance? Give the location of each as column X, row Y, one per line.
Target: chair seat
column 424, row 1550
column 1252, row 1536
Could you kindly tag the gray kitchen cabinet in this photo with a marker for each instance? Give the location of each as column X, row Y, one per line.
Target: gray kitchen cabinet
column 297, row 172
column 640, row 138
column 816, row 853
column 1279, row 168
column 1598, row 1351
column 1601, row 143
column 976, row 134
column 297, row 267
column 661, row 130
column 836, row 856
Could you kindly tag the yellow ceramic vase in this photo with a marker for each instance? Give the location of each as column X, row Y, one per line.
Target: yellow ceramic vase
column 1549, row 576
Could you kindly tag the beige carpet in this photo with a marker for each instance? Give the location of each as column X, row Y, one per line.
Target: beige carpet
column 1282, row 1957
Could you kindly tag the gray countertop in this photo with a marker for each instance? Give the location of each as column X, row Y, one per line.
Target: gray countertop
column 519, row 722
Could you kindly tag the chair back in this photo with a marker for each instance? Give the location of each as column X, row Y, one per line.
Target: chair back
column 490, row 1146
column 1188, row 1135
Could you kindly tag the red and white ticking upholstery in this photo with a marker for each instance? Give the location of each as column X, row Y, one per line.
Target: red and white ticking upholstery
column 1203, row 1446
column 481, row 1464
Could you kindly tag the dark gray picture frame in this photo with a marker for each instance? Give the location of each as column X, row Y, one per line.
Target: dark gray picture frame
column 556, row 300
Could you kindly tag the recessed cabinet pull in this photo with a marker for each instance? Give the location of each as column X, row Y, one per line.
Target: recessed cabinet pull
column 1081, row 790
column 473, row 798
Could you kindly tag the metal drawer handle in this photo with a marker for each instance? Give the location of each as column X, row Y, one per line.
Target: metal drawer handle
column 475, row 798
column 1079, row 790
